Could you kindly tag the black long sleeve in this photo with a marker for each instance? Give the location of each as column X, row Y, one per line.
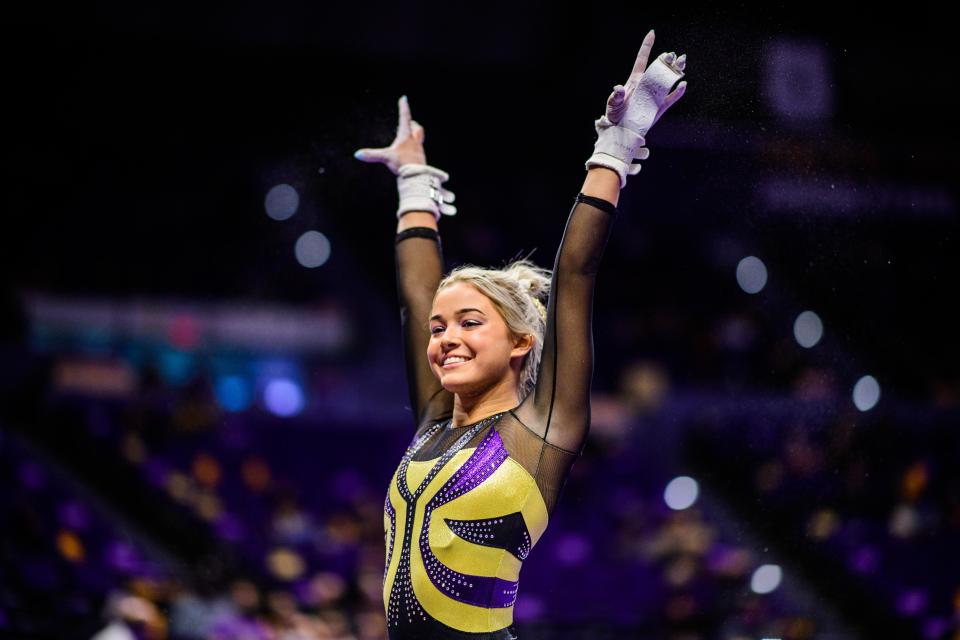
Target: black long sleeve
column 559, row 409
column 419, row 264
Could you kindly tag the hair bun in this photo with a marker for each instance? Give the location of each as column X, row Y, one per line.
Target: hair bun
column 531, row 286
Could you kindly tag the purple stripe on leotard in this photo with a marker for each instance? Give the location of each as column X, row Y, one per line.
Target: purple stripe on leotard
column 483, row 591
column 488, row 456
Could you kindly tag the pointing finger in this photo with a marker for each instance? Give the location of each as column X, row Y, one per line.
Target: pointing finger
column 641, row 64
column 403, row 127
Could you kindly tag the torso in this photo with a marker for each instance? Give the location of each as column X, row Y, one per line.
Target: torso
column 457, row 530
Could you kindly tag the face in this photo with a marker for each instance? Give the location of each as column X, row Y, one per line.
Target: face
column 465, row 323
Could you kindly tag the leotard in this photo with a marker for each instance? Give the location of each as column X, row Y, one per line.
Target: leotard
column 467, row 504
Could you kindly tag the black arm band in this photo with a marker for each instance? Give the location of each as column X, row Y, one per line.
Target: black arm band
column 418, row 232
column 599, row 203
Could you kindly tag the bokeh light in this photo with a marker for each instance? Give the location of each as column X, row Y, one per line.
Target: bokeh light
column 681, row 493
column 866, row 393
column 807, row 329
column 233, row 393
column 766, row 578
column 282, row 202
column 312, row 249
column 285, row 564
column 283, row 397
column 751, row 274
column 176, row 367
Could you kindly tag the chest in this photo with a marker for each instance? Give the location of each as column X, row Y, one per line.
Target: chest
column 476, row 495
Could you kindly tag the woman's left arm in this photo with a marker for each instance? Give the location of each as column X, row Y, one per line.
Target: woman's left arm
column 559, row 409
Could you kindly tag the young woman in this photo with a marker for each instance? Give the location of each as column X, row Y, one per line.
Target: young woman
column 499, row 383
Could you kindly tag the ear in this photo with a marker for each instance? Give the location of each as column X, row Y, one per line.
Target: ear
column 522, row 345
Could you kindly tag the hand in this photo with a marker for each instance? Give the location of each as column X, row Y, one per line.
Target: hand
column 633, row 108
column 638, row 105
column 406, row 148
column 419, row 185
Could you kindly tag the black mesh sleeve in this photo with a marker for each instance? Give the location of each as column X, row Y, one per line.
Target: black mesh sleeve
column 559, row 407
column 419, row 262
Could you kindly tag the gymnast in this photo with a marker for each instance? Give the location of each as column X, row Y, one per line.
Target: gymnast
column 499, row 364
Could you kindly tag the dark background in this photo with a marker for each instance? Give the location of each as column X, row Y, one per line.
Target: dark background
column 140, row 142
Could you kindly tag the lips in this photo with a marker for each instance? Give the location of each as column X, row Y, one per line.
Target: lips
column 453, row 365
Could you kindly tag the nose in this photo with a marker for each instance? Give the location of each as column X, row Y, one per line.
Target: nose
column 450, row 337
column 449, row 340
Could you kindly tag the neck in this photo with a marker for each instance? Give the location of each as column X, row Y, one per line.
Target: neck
column 468, row 409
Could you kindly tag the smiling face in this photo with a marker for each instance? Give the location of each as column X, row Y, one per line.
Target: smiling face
column 464, row 322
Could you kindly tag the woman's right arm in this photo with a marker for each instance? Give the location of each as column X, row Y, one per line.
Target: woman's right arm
column 419, row 260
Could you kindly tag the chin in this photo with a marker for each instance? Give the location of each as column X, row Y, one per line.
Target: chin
column 455, row 387
column 460, row 386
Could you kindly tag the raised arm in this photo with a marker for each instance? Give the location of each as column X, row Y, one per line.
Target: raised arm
column 419, row 259
column 559, row 407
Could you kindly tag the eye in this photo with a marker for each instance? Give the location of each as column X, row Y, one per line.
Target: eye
column 474, row 323
column 433, row 331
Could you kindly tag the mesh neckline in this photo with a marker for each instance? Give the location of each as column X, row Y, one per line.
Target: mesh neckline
column 492, row 417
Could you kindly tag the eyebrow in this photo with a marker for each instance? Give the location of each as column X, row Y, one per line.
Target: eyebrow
column 458, row 313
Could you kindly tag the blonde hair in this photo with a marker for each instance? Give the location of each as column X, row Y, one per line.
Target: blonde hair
column 518, row 291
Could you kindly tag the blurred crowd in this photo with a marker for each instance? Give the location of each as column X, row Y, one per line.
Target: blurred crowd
column 297, row 501
column 304, row 514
